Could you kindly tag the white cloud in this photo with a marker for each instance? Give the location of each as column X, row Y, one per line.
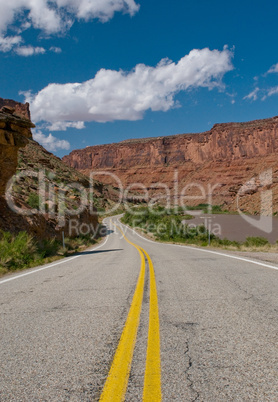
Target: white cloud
column 272, row 91
column 63, row 125
column 117, row 95
column 103, row 10
column 253, row 95
column 55, row 16
column 267, row 93
column 29, row 50
column 33, row 50
column 8, row 42
column 50, row 142
column 55, row 49
column 273, row 69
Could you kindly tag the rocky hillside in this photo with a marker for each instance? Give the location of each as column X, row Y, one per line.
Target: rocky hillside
column 229, row 155
column 15, row 130
column 31, row 166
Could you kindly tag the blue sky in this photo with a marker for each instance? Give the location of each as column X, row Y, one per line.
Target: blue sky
column 99, row 73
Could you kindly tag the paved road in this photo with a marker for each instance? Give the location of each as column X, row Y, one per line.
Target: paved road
column 218, row 326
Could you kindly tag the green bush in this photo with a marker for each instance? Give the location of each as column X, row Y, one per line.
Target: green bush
column 34, row 201
column 216, row 209
column 207, row 208
column 176, row 230
column 167, row 225
column 49, row 248
column 17, row 251
column 256, row 241
column 225, row 242
column 23, row 251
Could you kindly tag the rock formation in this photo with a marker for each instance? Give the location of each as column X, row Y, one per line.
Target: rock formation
column 16, row 140
column 227, row 156
column 15, row 129
column 21, row 109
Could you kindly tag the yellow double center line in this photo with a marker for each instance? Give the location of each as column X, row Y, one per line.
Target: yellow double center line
column 116, row 384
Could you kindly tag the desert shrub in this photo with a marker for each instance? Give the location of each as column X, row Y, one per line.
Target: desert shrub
column 17, row 251
column 167, row 225
column 23, row 251
column 256, row 241
column 34, row 201
column 49, row 248
column 225, row 242
column 216, row 209
column 174, row 229
column 206, row 208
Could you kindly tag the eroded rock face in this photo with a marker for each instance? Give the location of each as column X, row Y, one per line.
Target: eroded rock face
column 15, row 129
column 15, row 139
column 224, row 142
column 21, row 109
column 227, row 156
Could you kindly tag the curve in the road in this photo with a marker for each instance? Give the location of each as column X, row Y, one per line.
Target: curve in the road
column 203, row 250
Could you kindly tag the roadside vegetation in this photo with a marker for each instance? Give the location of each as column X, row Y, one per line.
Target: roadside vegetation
column 174, row 226
column 209, row 209
column 105, row 213
column 19, row 251
column 23, row 251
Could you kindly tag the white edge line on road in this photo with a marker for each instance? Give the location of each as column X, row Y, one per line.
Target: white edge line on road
column 204, row 251
column 52, row 265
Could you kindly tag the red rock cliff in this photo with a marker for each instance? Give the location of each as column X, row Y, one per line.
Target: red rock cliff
column 227, row 155
column 15, row 133
column 223, row 142
column 15, row 129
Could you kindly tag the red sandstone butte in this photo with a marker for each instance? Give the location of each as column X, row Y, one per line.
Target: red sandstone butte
column 226, row 156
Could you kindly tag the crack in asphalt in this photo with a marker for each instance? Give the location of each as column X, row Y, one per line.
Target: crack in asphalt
column 248, row 295
column 190, row 381
column 189, row 326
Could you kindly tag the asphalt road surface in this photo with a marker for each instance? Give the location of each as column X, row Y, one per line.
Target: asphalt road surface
column 101, row 326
